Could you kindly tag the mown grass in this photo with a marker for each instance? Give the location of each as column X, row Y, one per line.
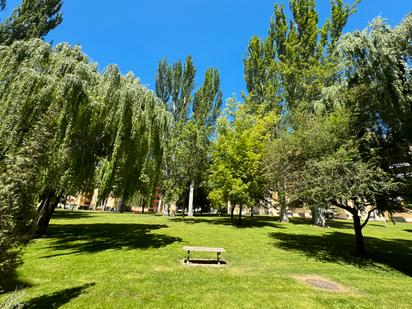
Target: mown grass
column 106, row 260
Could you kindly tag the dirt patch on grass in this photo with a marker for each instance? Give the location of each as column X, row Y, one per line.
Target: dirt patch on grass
column 322, row 283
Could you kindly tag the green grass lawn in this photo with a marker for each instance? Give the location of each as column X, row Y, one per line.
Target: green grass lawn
column 106, row 260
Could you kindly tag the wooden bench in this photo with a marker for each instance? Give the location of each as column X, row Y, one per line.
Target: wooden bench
column 188, row 249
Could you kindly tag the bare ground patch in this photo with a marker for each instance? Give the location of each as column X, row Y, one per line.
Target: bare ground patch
column 322, row 283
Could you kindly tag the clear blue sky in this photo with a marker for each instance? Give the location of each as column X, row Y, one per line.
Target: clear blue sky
column 136, row 34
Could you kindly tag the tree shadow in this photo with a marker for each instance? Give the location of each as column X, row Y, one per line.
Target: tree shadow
column 10, row 282
column 339, row 247
column 410, row 231
column 338, row 224
column 334, row 223
column 260, row 221
column 57, row 299
column 68, row 214
column 247, row 222
column 104, row 236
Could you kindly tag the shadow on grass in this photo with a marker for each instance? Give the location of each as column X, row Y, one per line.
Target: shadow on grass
column 57, row 299
column 262, row 221
column 9, row 282
column 337, row 224
column 247, row 222
column 410, row 231
column 203, row 262
column 104, row 236
column 340, row 248
column 68, row 214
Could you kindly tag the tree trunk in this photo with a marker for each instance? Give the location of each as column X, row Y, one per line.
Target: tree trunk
column 232, row 209
column 240, row 215
column 314, row 211
column 321, row 221
column 159, row 205
column 44, row 214
column 251, row 211
column 284, row 215
column 360, row 245
column 120, row 205
column 190, row 211
column 283, row 208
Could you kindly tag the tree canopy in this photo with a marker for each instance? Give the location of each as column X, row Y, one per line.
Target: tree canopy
column 66, row 128
column 31, row 19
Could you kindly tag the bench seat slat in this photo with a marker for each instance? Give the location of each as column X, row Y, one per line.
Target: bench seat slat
column 203, row 249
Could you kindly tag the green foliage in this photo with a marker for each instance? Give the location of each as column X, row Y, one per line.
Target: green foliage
column 60, row 120
column 379, row 83
column 289, row 69
column 32, row 19
column 235, row 174
column 362, row 82
column 132, row 137
column 379, row 78
column 344, row 180
column 174, row 86
column 187, row 147
column 286, row 155
column 262, row 80
column 44, row 133
column 208, row 100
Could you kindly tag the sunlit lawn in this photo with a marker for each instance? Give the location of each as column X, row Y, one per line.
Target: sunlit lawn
column 107, row 260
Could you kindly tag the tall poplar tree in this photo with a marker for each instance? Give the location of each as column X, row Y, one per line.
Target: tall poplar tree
column 186, row 160
column 290, row 68
column 31, row 19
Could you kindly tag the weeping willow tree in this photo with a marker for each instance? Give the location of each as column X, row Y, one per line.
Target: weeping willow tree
column 134, row 127
column 46, row 136
column 63, row 123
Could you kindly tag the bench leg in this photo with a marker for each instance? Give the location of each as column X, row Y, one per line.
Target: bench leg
column 188, row 256
column 218, row 258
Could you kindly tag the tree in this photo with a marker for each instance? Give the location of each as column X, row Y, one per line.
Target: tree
column 174, row 86
column 344, row 180
column 186, row 155
column 32, row 19
column 18, row 196
column 307, row 52
column 133, row 137
column 61, row 120
column 289, row 70
column 51, row 86
column 379, row 84
column 286, row 155
column 44, row 134
column 235, row 173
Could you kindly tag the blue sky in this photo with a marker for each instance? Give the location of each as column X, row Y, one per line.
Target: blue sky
column 136, row 34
